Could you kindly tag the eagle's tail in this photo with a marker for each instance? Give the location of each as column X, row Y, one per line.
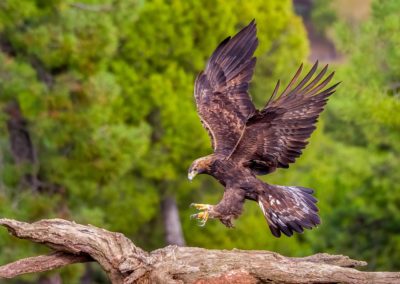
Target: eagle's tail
column 288, row 209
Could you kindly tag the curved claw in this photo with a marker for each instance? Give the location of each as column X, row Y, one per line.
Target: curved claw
column 203, row 215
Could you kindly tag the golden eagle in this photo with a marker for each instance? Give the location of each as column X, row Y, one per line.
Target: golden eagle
column 249, row 142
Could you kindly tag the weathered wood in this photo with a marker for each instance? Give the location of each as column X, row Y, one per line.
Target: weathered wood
column 125, row 263
column 41, row 263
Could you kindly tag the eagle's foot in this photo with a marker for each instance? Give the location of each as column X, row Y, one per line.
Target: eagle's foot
column 203, row 215
column 200, row 206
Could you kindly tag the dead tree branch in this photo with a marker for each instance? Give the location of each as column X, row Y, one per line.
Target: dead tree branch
column 125, row 263
column 41, row 263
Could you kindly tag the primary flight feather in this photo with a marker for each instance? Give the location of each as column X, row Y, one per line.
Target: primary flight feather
column 249, row 142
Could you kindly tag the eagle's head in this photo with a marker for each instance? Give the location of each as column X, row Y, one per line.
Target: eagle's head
column 200, row 166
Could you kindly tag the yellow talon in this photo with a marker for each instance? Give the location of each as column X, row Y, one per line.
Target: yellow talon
column 200, row 206
column 203, row 215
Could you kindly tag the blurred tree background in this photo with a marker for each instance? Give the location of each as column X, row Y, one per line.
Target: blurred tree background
column 98, row 122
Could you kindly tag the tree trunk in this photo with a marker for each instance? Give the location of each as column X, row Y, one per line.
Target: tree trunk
column 51, row 279
column 172, row 223
column 125, row 263
column 87, row 277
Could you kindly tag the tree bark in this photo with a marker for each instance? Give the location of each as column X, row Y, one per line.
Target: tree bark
column 125, row 263
column 172, row 223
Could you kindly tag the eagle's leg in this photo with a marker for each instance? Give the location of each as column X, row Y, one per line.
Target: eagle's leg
column 229, row 208
column 204, row 214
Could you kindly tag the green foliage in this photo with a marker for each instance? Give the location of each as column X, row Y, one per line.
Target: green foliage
column 323, row 15
column 364, row 124
column 107, row 87
column 353, row 158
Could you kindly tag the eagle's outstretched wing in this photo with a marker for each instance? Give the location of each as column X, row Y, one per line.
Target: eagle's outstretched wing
column 276, row 135
column 220, row 90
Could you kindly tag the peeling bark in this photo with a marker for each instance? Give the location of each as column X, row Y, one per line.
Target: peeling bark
column 125, row 263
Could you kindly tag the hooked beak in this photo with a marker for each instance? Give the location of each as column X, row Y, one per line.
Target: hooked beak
column 191, row 175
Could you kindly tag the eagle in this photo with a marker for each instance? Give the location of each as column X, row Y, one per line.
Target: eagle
column 248, row 142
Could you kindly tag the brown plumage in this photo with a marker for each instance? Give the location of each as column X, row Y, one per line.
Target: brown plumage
column 249, row 142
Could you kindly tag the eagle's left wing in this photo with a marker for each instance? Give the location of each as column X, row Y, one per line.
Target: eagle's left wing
column 220, row 90
column 276, row 135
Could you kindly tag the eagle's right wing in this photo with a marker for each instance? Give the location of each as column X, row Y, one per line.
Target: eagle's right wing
column 220, row 90
column 276, row 135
